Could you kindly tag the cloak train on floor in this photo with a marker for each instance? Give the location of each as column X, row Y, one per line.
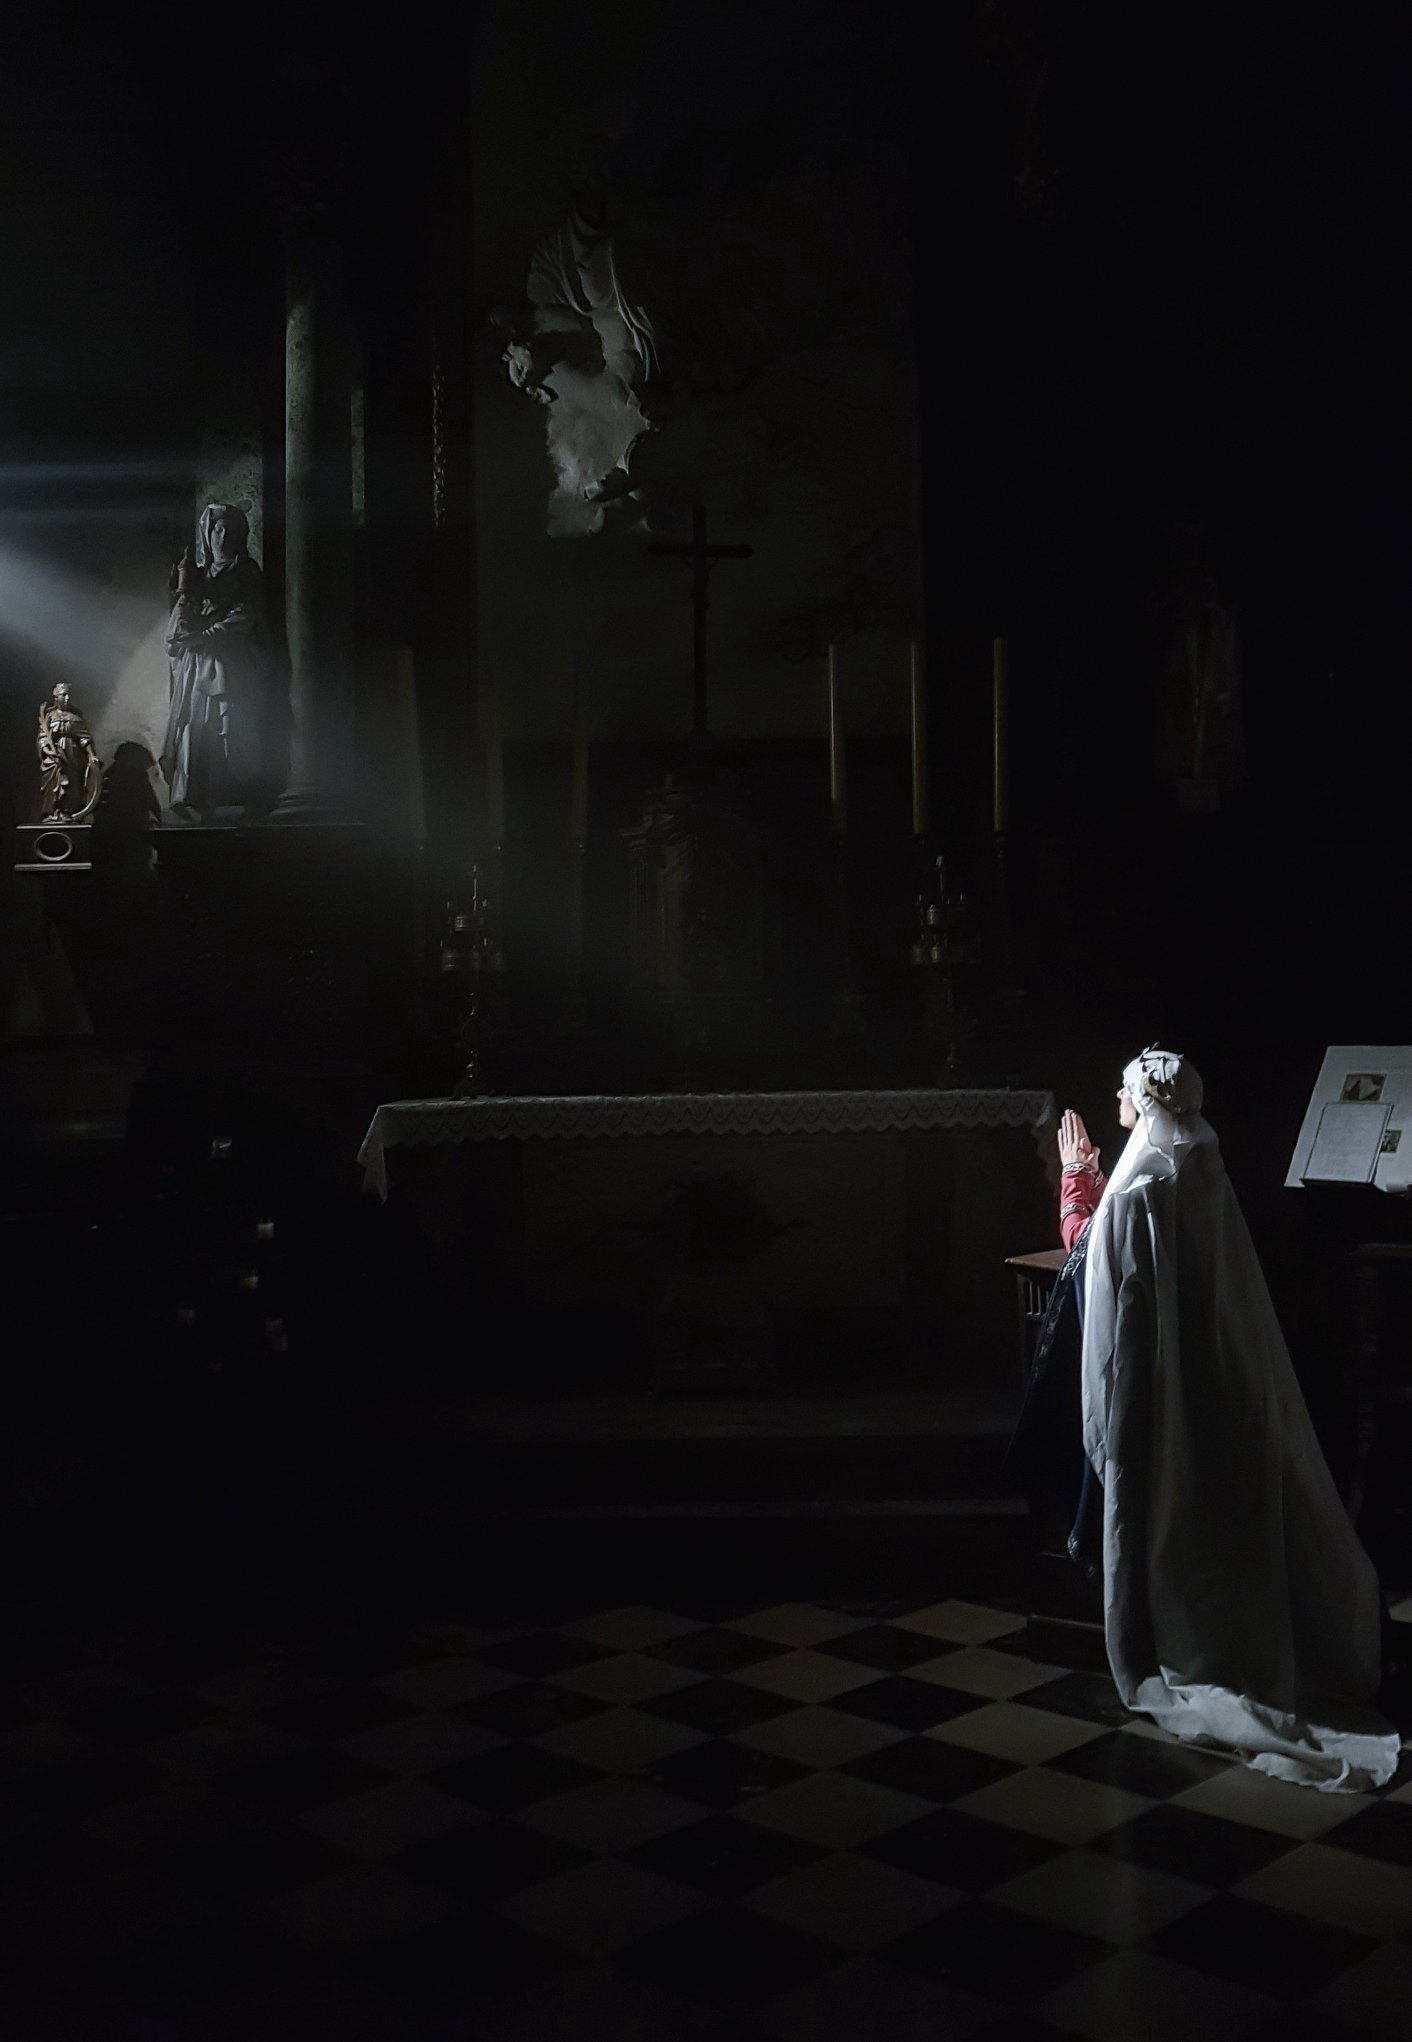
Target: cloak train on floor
column 1239, row 1607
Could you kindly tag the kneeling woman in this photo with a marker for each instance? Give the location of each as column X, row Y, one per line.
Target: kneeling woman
column 1240, row 1609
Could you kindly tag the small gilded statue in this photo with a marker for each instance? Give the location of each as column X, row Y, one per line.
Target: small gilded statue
column 70, row 775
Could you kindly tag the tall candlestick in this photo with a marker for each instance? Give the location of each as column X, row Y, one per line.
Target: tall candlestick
column 411, row 744
column 1000, row 688
column 919, row 741
column 494, row 768
column 838, row 772
column 578, row 790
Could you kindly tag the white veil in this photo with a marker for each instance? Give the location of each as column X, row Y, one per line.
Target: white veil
column 1239, row 1608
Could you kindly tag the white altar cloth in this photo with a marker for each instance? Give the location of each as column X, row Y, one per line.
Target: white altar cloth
column 608, row 1116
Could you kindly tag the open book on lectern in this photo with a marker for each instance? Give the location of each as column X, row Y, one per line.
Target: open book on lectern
column 1358, row 1126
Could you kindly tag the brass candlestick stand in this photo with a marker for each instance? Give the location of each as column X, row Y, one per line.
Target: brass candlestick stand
column 940, row 950
column 847, row 1009
column 472, row 961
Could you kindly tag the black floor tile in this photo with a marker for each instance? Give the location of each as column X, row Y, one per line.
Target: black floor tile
column 1077, row 1646
column 988, row 1949
column 725, row 1857
column 1206, row 1848
column 469, row 1959
column 719, row 1707
column 62, row 1790
column 246, row 1862
column 926, row 1766
column 1381, row 1830
column 528, row 1709
column 882, row 1609
column 341, row 1712
column 537, row 1653
column 356, row 1658
column 1091, row 1697
column 1282, row 1955
column 38, row 1857
column 886, row 1646
column 905, row 1703
column 1026, row 2028
column 511, row 1777
column 961, row 1850
column 1306, row 2024
column 728, row 1957
column 489, row 1860
column 1140, row 1765
column 721, row 1774
column 303, row 1779
column 138, row 1717
column 716, row 1651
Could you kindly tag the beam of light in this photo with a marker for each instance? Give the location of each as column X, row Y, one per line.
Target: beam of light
column 108, row 643
column 28, row 475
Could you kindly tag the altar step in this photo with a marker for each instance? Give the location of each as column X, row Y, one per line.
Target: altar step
column 905, row 1455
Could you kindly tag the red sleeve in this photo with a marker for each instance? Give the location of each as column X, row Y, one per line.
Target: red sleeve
column 1078, row 1201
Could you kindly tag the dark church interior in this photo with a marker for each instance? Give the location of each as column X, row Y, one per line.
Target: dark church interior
column 636, row 642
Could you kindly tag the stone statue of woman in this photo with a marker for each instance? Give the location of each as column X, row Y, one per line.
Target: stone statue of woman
column 222, row 673
column 69, row 773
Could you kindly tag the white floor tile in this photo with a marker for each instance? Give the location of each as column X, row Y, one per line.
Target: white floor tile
column 1101, row 1896
column 620, row 1740
column 421, row 1743
column 1051, row 1804
column 586, row 2005
column 631, row 1630
column 962, row 1623
column 1353, row 1892
column 81, row 1687
column 33, row 1747
column 1241, row 1795
column 976, row 1670
column 866, row 2000
column 441, row 1683
column 809, row 1676
column 819, row 1737
column 389, row 1819
column 798, row 1624
column 1011, row 1730
column 214, row 1748
column 370, row 1903
column 629, row 1677
column 253, row 1688
column 599, row 1908
column 612, row 1815
column 835, row 1810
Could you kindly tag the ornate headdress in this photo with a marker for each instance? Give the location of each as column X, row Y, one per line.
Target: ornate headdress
column 1166, row 1078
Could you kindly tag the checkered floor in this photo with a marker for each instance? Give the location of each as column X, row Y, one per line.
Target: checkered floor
column 832, row 1823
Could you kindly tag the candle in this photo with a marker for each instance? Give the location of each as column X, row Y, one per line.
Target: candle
column 838, row 781
column 578, row 789
column 494, row 769
column 1000, row 804
column 919, row 741
column 411, row 743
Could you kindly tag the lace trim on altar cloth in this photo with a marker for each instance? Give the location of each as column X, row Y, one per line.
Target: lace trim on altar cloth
column 617, row 1116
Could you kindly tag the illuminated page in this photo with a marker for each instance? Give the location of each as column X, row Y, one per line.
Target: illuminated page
column 1361, row 1074
column 1348, row 1142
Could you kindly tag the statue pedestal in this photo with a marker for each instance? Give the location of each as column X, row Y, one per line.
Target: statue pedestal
column 53, row 847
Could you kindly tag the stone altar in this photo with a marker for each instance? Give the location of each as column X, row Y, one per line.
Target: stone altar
column 810, row 1236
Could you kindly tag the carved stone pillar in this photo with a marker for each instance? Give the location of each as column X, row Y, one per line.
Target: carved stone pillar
column 318, row 526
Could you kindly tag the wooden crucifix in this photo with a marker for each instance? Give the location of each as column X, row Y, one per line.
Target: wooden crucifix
column 701, row 558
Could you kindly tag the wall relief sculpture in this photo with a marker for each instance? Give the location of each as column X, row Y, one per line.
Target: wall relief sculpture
column 577, row 346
